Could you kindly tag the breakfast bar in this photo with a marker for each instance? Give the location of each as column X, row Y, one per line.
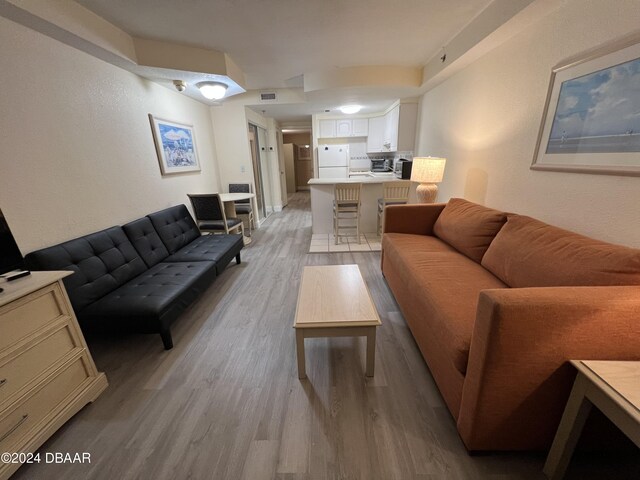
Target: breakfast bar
column 322, row 201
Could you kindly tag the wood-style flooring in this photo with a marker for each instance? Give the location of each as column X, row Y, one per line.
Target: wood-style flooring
column 226, row 402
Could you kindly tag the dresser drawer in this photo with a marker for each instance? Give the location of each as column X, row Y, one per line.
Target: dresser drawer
column 22, row 368
column 31, row 313
column 16, row 424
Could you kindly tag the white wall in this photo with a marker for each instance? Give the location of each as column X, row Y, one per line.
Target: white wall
column 231, row 126
column 485, row 121
column 77, row 154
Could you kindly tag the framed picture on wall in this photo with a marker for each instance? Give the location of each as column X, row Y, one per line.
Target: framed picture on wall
column 176, row 146
column 591, row 121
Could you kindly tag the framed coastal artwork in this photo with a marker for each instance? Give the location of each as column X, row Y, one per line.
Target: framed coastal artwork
column 591, row 121
column 176, row 146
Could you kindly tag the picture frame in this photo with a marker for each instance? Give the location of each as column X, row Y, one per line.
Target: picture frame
column 590, row 122
column 175, row 145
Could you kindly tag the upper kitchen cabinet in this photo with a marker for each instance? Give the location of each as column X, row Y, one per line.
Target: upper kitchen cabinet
column 360, row 127
column 395, row 131
column 344, row 127
column 327, row 129
column 377, row 130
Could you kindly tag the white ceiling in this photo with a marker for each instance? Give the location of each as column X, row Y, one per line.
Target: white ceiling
column 275, row 42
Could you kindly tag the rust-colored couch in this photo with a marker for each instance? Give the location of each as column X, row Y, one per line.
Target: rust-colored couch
column 498, row 303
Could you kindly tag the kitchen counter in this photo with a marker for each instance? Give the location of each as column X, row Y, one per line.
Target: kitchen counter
column 360, row 179
column 322, row 201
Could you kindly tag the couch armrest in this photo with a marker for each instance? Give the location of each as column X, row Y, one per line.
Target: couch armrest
column 518, row 378
column 418, row 218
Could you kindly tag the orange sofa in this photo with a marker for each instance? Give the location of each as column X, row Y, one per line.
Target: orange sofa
column 498, row 303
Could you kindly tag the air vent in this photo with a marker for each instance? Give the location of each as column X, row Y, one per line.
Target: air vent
column 267, row 96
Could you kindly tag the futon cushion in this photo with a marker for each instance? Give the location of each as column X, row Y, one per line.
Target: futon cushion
column 469, row 227
column 444, row 287
column 175, row 226
column 146, row 241
column 102, row 261
column 530, row 253
column 215, row 248
column 152, row 299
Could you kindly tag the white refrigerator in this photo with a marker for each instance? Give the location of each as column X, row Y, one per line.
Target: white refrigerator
column 333, row 161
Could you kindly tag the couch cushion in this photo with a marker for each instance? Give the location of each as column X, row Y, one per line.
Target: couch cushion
column 146, row 241
column 152, row 299
column 217, row 248
column 469, row 227
column 530, row 253
column 444, row 286
column 175, row 226
column 103, row 261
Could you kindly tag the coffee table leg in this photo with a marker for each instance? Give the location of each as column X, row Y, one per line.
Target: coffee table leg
column 573, row 420
column 371, row 351
column 300, row 352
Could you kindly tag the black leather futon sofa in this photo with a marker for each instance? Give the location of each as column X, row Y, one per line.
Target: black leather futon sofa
column 141, row 276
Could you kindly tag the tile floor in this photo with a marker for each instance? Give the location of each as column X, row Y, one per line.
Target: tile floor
column 325, row 243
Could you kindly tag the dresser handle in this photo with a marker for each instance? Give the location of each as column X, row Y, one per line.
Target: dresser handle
column 15, row 427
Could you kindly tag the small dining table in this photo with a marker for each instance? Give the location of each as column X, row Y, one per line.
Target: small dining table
column 229, row 199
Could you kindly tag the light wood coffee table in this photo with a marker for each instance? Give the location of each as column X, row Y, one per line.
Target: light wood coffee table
column 614, row 388
column 334, row 302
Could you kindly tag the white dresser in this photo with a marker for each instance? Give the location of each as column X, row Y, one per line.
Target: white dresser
column 46, row 371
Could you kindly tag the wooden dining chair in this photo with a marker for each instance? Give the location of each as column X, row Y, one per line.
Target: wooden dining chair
column 346, row 209
column 393, row 193
column 210, row 216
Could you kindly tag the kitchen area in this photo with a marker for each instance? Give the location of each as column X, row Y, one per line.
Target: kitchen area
column 368, row 149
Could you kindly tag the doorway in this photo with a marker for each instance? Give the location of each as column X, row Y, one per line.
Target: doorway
column 261, row 170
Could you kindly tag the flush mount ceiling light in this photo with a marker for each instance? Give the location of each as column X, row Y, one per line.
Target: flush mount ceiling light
column 212, row 90
column 349, row 109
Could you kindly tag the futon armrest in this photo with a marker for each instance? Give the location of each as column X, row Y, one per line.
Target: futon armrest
column 518, row 378
column 418, row 219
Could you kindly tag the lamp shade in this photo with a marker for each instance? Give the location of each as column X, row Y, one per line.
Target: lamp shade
column 427, row 169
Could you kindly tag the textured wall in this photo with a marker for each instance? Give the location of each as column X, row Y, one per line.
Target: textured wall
column 76, row 150
column 485, row 121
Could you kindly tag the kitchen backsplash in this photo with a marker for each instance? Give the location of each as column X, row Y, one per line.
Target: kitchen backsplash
column 360, row 160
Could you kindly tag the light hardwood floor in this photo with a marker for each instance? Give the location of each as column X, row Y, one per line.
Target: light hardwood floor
column 226, row 402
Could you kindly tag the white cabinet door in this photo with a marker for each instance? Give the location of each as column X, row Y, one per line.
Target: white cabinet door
column 391, row 131
column 360, row 127
column 327, row 129
column 343, row 128
column 375, row 138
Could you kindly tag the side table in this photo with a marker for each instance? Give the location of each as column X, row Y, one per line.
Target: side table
column 614, row 388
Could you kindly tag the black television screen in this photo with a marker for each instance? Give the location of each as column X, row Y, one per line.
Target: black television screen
column 10, row 256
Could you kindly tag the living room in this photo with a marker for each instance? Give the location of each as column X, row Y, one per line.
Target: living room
column 226, row 402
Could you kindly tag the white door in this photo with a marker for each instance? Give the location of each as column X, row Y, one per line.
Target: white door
column 283, row 174
column 343, row 128
column 333, row 156
column 333, row 172
column 391, row 133
column 327, row 128
column 377, row 129
column 265, row 169
column 360, row 127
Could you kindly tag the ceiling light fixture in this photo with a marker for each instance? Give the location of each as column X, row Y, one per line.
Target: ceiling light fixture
column 212, row 90
column 349, row 109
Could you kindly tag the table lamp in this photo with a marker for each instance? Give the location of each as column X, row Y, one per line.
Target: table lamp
column 427, row 171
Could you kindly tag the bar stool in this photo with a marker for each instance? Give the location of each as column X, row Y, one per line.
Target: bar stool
column 346, row 208
column 394, row 193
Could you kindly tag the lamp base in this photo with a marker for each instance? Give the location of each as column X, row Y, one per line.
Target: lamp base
column 426, row 192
